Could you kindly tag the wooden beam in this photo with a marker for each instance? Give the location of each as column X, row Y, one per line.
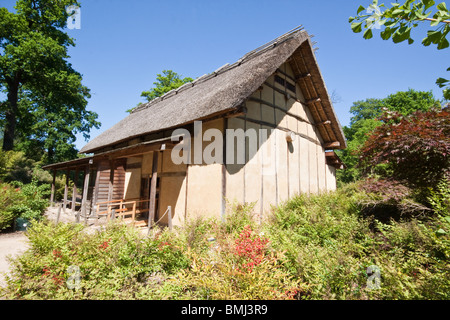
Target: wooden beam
column 96, row 188
column 144, row 149
column 52, row 196
column 58, row 214
column 303, row 76
column 241, row 111
column 278, row 108
column 139, row 149
column 111, row 180
column 68, row 164
column 87, row 173
column 271, row 86
column 286, row 75
column 323, row 123
column 169, row 217
column 311, row 101
column 66, row 190
column 172, row 174
column 332, row 145
column 332, row 159
column 74, row 191
column 268, row 124
column 152, row 197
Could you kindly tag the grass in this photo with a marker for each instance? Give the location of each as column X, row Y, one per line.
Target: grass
column 311, row 247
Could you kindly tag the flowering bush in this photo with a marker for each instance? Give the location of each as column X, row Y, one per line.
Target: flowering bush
column 105, row 244
column 239, row 268
column 250, row 248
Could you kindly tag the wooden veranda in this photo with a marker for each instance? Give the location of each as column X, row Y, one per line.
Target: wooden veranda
column 101, row 193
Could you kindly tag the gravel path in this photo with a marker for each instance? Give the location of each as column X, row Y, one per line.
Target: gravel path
column 11, row 244
column 15, row 243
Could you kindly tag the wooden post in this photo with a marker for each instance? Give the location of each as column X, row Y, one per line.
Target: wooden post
column 111, row 180
column 85, row 193
column 59, row 213
column 133, row 214
column 74, row 192
column 96, row 215
column 152, row 204
column 96, row 189
column 66, row 190
column 52, row 196
column 169, row 217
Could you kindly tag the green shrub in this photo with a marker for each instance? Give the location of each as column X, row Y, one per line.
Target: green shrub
column 9, row 197
column 238, row 267
column 238, row 216
column 439, row 197
column 45, row 177
column 330, row 245
column 324, row 240
column 413, row 261
column 197, row 231
column 311, row 247
column 27, row 201
column 116, row 263
column 15, row 166
column 34, row 200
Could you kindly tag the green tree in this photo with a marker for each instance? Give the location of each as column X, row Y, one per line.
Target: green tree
column 356, row 135
column 397, row 22
column 365, row 109
column 165, row 82
column 50, row 122
column 46, row 101
column 365, row 120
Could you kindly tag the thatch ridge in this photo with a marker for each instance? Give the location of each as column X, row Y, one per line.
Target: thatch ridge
column 222, row 91
column 222, row 69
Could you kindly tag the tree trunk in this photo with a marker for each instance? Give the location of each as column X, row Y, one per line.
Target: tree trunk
column 50, row 154
column 11, row 114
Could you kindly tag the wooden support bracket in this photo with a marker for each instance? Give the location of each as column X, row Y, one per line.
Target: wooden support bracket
column 303, row 76
column 332, row 145
column 311, row 101
column 323, row 123
column 240, row 111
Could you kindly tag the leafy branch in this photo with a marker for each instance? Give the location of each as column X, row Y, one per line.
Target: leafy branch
column 399, row 20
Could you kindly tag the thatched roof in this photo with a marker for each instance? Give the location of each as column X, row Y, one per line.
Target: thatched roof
column 226, row 89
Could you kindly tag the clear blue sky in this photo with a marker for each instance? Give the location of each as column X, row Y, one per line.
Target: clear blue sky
column 122, row 45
